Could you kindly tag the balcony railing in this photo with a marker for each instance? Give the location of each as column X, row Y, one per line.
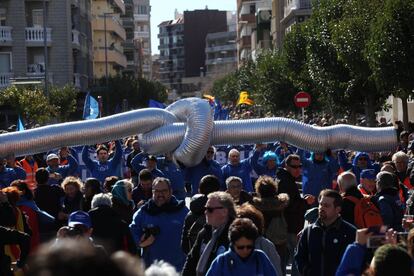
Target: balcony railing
column 37, row 35
column 5, row 34
column 36, row 69
column 77, row 80
column 5, row 79
column 139, row 34
column 141, row 17
column 75, row 38
column 228, row 47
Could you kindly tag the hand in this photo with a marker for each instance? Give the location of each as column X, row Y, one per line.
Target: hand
column 144, row 243
column 310, row 199
column 362, row 236
column 64, row 152
column 140, row 203
column 391, row 237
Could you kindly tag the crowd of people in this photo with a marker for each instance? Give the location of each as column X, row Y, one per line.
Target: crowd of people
column 281, row 210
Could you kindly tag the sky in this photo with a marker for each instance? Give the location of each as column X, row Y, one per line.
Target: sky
column 162, row 10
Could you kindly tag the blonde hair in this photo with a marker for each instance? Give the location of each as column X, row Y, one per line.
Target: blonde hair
column 71, row 180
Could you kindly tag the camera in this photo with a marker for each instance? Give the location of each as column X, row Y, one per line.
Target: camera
column 151, row 230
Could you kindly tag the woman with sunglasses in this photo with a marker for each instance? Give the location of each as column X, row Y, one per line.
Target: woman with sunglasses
column 242, row 258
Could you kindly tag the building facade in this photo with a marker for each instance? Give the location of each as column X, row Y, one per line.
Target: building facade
column 66, row 44
column 221, row 53
column 247, row 39
column 108, row 38
column 286, row 13
column 182, row 48
column 142, row 37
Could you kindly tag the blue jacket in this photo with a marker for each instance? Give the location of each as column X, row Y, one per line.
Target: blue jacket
column 345, row 165
column 391, row 208
column 175, row 175
column 63, row 170
column 229, row 263
column 320, row 248
column 8, row 175
column 317, row 176
column 102, row 170
column 170, row 220
column 242, row 170
column 137, row 166
column 352, row 261
column 194, row 174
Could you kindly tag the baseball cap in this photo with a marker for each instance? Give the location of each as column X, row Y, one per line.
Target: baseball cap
column 368, row 174
column 52, row 156
column 79, row 217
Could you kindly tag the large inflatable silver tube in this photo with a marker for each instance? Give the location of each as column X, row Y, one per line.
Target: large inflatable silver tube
column 83, row 132
column 304, row 136
column 186, row 128
column 199, row 119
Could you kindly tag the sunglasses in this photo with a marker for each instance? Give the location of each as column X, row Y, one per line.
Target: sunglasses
column 241, row 247
column 295, row 166
column 210, row 151
column 211, row 209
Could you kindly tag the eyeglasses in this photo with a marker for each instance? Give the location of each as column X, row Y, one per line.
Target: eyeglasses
column 362, row 159
column 160, row 191
column 210, row 152
column 295, row 166
column 211, row 209
column 241, row 247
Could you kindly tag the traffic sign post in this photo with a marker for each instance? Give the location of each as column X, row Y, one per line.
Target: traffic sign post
column 302, row 100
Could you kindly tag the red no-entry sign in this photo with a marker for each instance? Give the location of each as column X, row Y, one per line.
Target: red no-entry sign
column 302, row 99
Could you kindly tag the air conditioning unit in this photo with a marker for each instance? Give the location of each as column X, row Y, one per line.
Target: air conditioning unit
column 264, row 16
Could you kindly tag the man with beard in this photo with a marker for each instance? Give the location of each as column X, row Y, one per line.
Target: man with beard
column 323, row 243
column 156, row 227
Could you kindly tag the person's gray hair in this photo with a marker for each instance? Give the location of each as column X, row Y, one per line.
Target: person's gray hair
column 226, row 200
column 161, row 268
column 233, row 178
column 346, row 181
column 102, row 199
column 400, row 155
column 161, row 179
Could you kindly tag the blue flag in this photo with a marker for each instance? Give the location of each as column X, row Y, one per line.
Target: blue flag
column 91, row 108
column 217, row 109
column 153, row 103
column 20, row 126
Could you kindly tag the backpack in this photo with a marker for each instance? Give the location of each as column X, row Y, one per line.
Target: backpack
column 366, row 214
column 276, row 232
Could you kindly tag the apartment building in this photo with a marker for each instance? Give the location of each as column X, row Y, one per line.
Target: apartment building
column 137, row 46
column 182, row 48
column 286, row 13
column 247, row 11
column 221, row 53
column 108, row 38
column 66, row 44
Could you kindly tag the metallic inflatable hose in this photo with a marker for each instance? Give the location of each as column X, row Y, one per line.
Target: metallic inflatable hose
column 186, row 128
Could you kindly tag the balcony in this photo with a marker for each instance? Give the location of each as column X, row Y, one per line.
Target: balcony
column 114, row 56
column 139, row 34
column 141, row 17
column 228, row 47
column 75, row 3
column 35, row 36
column 245, row 42
column 120, row 5
column 222, row 60
column 249, row 18
column 77, row 80
column 6, row 36
column 297, row 7
column 113, row 24
column 5, row 79
column 75, row 39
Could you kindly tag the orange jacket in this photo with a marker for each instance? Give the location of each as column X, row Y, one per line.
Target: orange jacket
column 30, row 173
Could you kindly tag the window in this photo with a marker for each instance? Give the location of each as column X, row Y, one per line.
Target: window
column 37, row 17
column 5, row 63
column 142, row 9
column 253, row 9
column 3, row 14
